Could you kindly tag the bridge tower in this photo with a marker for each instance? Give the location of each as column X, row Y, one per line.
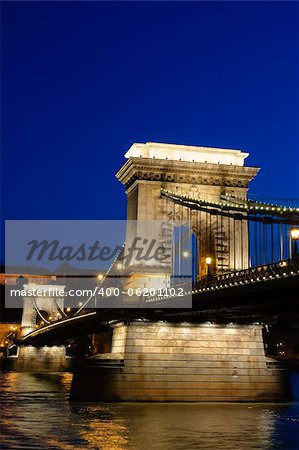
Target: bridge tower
column 199, row 172
column 41, row 300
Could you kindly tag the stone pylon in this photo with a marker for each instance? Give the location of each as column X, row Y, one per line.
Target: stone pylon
column 199, row 172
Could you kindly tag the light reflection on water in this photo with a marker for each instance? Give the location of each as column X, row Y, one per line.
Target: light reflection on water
column 36, row 414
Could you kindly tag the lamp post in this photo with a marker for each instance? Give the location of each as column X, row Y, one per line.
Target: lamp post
column 295, row 237
column 208, row 263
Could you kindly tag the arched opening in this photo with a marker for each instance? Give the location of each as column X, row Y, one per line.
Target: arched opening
column 185, row 251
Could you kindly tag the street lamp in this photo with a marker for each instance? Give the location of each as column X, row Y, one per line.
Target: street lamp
column 295, row 237
column 208, row 263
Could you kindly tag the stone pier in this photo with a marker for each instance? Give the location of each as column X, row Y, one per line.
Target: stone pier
column 41, row 359
column 184, row 363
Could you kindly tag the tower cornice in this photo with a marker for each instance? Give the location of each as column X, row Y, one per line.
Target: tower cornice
column 197, row 173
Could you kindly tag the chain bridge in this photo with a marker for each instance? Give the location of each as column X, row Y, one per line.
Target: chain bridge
column 235, row 259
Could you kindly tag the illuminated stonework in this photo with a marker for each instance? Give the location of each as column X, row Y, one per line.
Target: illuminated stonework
column 201, row 173
column 187, row 153
column 183, row 362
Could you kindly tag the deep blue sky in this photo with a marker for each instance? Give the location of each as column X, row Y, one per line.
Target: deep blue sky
column 82, row 81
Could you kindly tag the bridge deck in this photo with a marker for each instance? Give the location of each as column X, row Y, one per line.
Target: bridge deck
column 263, row 301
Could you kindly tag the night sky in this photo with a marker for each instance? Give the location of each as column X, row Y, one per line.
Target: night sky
column 82, row 81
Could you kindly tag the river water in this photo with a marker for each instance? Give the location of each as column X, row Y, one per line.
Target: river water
column 36, row 414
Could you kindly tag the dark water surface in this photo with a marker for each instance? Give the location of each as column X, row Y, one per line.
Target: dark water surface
column 36, row 414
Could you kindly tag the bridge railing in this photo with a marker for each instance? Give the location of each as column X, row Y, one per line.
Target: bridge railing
column 257, row 274
column 253, row 274
column 284, row 202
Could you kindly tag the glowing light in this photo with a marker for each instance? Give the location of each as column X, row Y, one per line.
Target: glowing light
column 295, row 233
column 100, row 276
column 68, row 309
column 208, row 260
column 119, row 266
column 185, row 254
column 283, row 264
column 80, row 304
